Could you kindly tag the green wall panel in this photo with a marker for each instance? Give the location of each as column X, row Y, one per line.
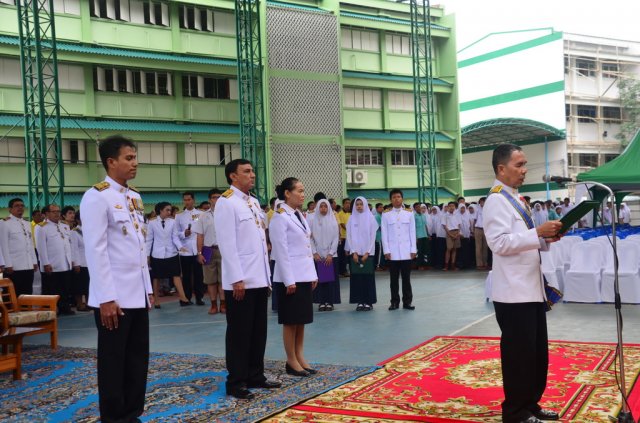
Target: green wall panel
column 401, row 121
column 211, row 110
column 375, row 178
column 208, row 44
column 11, row 100
column 9, row 19
column 68, row 27
column 399, row 64
column 360, row 61
column 363, row 119
column 131, row 35
column 134, row 106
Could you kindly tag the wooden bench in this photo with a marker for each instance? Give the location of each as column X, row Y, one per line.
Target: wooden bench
column 11, row 360
column 30, row 311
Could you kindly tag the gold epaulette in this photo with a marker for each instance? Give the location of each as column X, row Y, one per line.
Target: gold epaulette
column 496, row 189
column 228, row 193
column 281, row 211
column 386, row 211
column 101, row 186
column 409, row 209
column 134, row 189
column 44, row 222
column 153, row 218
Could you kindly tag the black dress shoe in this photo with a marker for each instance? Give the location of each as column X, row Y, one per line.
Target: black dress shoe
column 409, row 307
column 267, row 384
column 185, row 303
column 310, row 370
column 546, row 415
column 240, row 393
column 393, row 307
column 293, row 372
column 532, row 419
column 199, row 302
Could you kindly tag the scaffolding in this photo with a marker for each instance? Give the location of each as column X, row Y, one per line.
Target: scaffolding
column 250, row 89
column 422, row 51
column 39, row 67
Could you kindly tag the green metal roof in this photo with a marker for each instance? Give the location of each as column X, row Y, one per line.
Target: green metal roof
column 386, row 19
column 492, row 132
column 296, row 6
column 392, row 135
column 383, row 195
column 390, row 77
column 130, row 125
column 121, row 52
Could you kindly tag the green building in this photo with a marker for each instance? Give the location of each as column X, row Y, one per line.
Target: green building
column 338, row 95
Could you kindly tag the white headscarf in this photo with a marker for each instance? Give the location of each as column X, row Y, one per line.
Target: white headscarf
column 361, row 229
column 324, row 229
column 539, row 215
column 465, row 221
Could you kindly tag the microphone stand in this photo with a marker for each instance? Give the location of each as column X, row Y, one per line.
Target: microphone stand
column 625, row 415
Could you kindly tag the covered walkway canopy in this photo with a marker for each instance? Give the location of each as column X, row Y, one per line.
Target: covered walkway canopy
column 492, row 132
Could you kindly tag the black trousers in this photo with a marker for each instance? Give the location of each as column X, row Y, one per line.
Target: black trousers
column 192, row 277
column 397, row 268
column 123, row 361
column 59, row 283
column 246, row 337
column 423, row 251
column 525, row 357
column 342, row 258
column 22, row 281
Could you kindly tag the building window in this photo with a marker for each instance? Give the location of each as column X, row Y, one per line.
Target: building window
column 156, row 13
column 209, row 87
column 12, row 150
column 608, row 157
column 610, row 70
column 612, row 114
column 586, row 114
column 136, row 11
column 398, row 44
column 401, row 101
column 567, row 111
column 10, row 72
column 157, row 152
column 203, row 154
column 586, row 67
column 364, row 156
column 356, row 98
column 360, row 40
column 566, row 64
column 74, row 151
column 132, row 81
column 403, row 157
column 205, row 19
column 588, row 160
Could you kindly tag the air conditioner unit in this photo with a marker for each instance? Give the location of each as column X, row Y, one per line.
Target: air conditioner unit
column 360, row 176
column 349, row 176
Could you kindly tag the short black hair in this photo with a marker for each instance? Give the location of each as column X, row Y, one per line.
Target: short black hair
column 332, row 201
column 272, row 201
column 416, row 204
column 395, row 191
column 452, row 202
column 344, row 200
column 47, row 208
column 379, row 204
column 232, row 167
column 213, row 191
column 482, row 199
column 14, row 201
column 67, row 209
column 460, row 198
column 310, row 203
column 190, row 194
column 526, row 197
column 502, row 155
column 161, row 205
column 109, row 148
column 288, row 184
column 203, row 204
column 319, row 196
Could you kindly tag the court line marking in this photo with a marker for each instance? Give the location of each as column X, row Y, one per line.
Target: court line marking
column 462, row 329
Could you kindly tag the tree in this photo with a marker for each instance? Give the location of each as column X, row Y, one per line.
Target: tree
column 629, row 89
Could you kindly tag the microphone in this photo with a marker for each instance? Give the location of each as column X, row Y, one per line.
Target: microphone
column 556, row 179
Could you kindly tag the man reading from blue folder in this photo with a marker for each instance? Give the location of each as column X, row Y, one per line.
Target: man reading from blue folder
column 518, row 288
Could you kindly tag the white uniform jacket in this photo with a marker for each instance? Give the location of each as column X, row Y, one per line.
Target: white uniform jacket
column 17, row 244
column 291, row 244
column 112, row 217
column 162, row 242
column 78, row 256
column 399, row 234
column 240, row 229
column 53, row 242
column 516, row 276
column 183, row 220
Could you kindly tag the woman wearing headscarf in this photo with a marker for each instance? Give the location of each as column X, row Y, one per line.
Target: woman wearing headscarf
column 290, row 240
column 324, row 245
column 361, row 236
column 465, row 237
column 625, row 214
column 473, row 215
column 540, row 215
column 441, row 239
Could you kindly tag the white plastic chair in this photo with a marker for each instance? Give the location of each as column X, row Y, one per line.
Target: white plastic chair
column 549, row 268
column 634, row 237
column 628, row 273
column 487, row 287
column 582, row 281
column 566, row 244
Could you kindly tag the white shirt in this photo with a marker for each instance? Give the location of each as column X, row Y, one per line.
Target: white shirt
column 479, row 219
column 240, row 229
column 452, row 221
column 516, row 276
column 205, row 227
column 77, row 248
column 183, row 220
column 17, row 244
column 291, row 244
column 112, row 217
column 162, row 241
column 53, row 242
column 398, row 234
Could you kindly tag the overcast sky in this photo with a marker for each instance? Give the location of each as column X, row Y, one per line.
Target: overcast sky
column 610, row 18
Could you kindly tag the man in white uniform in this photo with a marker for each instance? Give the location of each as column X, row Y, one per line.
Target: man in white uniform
column 18, row 249
column 186, row 220
column 518, row 289
column 120, row 289
column 53, row 241
column 400, row 248
column 240, row 230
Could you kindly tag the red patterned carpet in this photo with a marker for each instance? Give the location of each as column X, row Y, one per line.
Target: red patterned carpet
column 458, row 379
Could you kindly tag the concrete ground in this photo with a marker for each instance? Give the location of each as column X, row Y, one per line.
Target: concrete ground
column 447, row 303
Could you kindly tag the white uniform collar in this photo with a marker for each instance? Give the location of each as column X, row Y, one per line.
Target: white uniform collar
column 113, row 184
column 287, row 208
column 244, row 196
column 397, row 209
column 510, row 190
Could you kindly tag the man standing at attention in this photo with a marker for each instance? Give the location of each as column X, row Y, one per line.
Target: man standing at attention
column 400, row 248
column 343, row 218
column 191, row 269
column 18, row 249
column 518, row 288
column 240, row 231
column 120, row 289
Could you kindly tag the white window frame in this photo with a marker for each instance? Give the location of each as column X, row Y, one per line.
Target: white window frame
column 407, row 157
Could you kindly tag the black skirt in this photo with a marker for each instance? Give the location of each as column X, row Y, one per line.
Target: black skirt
column 362, row 289
column 81, row 282
column 295, row 309
column 165, row 268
